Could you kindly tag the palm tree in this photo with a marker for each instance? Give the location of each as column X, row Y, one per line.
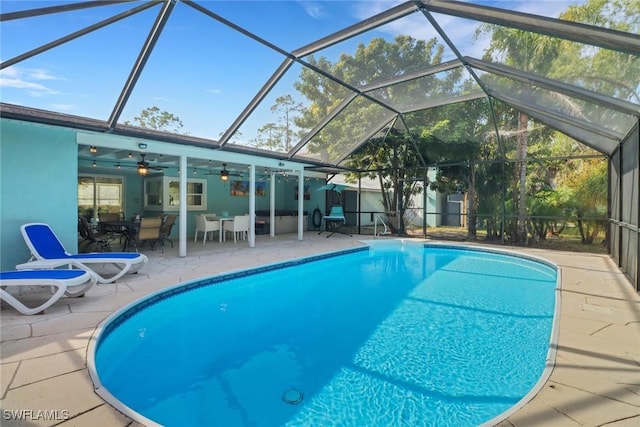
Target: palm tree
column 532, row 53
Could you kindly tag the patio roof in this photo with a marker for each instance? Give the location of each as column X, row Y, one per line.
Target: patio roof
column 223, row 67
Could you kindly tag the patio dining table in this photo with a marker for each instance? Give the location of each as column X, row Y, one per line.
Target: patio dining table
column 221, row 220
column 127, row 229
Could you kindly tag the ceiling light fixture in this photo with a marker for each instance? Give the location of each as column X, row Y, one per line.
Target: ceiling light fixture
column 94, row 164
column 224, row 173
column 143, row 167
column 93, row 149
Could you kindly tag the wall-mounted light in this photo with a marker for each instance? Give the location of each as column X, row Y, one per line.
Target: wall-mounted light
column 93, row 149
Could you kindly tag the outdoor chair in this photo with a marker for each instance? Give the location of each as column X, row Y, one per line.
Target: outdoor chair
column 104, row 226
column 91, row 241
column 334, row 221
column 165, row 229
column 47, row 252
column 205, row 226
column 148, row 231
column 60, row 280
column 239, row 227
column 110, row 216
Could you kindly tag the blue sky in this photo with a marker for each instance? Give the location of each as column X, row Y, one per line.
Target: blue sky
column 200, row 70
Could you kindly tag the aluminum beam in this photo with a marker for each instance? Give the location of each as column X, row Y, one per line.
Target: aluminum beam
column 577, row 32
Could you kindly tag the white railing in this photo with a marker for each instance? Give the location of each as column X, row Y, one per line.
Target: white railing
column 378, row 219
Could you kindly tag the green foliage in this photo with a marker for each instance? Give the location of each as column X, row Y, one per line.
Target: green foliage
column 395, row 157
column 585, row 189
column 154, row 118
column 279, row 136
column 602, row 70
column 487, row 148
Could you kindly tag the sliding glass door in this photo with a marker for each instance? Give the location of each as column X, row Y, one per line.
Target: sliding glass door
column 99, row 194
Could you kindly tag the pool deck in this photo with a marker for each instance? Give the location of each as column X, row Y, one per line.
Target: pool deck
column 595, row 382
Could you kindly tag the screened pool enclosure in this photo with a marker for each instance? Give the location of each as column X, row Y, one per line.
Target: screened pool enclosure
column 523, row 108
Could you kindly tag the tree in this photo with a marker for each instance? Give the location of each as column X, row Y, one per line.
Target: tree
column 396, row 165
column 392, row 156
column 586, row 189
column 455, row 142
column 602, row 70
column 153, row 118
column 528, row 52
column 279, row 136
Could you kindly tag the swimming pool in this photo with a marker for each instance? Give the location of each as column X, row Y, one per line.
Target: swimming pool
column 395, row 334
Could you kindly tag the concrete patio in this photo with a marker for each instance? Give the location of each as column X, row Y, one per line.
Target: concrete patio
column 596, row 380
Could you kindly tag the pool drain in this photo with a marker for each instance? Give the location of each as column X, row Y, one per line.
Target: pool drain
column 293, row 396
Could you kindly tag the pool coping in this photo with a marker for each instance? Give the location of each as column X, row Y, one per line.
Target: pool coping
column 140, row 304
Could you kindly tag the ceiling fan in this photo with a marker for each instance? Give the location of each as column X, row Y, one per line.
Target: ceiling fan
column 144, row 167
column 224, row 173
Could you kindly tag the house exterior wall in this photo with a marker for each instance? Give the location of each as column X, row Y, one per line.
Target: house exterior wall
column 38, row 183
column 433, row 205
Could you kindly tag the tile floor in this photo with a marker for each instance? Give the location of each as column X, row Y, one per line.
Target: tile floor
column 596, row 380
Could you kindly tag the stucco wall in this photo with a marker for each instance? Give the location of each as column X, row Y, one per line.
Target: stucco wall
column 38, row 183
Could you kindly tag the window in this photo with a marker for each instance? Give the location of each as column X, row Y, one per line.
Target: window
column 163, row 193
column 98, row 194
column 153, row 193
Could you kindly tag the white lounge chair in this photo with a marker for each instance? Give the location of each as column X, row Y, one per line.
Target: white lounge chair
column 61, row 280
column 47, row 252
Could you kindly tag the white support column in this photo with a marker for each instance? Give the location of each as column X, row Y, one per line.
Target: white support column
column 300, row 203
column 252, row 206
column 182, row 214
column 272, row 205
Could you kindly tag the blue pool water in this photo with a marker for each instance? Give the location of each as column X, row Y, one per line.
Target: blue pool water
column 404, row 336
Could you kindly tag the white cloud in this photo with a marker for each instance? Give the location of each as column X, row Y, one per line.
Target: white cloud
column 313, row 9
column 215, row 91
column 28, row 80
column 40, row 74
column 161, row 98
column 33, row 89
column 367, row 9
